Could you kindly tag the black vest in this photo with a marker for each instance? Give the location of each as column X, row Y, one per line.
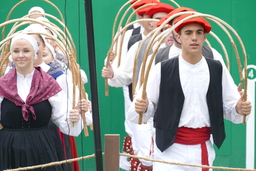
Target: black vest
column 138, row 64
column 171, row 99
column 136, row 31
column 130, row 27
column 133, row 39
column 163, row 53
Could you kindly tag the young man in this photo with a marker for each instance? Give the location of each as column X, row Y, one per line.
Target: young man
column 136, row 29
column 191, row 95
column 142, row 134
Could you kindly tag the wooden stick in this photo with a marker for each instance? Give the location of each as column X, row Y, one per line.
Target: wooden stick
column 156, row 39
column 61, row 16
column 9, row 14
column 123, row 33
column 67, row 46
column 83, row 95
column 126, row 12
column 134, row 77
column 117, row 15
column 30, row 20
column 115, row 39
column 16, row 5
column 121, row 44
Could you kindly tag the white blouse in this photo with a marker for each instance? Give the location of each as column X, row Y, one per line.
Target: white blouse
column 59, row 103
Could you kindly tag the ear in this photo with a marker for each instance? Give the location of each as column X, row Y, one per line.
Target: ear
column 178, row 38
column 205, row 35
column 139, row 17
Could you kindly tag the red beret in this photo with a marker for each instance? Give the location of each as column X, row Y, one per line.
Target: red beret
column 159, row 7
column 200, row 20
column 133, row 1
column 145, row 10
column 143, row 2
column 175, row 11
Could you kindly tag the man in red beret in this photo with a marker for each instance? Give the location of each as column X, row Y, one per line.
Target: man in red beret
column 189, row 96
column 175, row 49
column 142, row 135
column 133, row 30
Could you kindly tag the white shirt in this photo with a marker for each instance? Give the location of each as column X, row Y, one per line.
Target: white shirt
column 59, row 103
column 123, row 75
column 65, row 82
column 62, row 80
column 194, row 81
column 126, row 39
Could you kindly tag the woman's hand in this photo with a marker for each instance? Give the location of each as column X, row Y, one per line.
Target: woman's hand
column 74, row 115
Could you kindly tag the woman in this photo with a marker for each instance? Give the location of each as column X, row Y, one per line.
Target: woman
column 68, row 142
column 29, row 99
column 56, row 67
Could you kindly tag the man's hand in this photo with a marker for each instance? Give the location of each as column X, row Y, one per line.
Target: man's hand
column 243, row 107
column 111, row 56
column 141, row 105
column 107, row 72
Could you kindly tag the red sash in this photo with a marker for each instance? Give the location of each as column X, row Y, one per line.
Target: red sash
column 191, row 136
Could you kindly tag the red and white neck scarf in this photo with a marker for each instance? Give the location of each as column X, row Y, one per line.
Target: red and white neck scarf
column 43, row 86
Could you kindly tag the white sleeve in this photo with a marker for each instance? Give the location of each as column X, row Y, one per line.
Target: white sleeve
column 127, row 36
column 66, row 83
column 88, row 117
column 123, row 74
column 152, row 93
column 146, row 67
column 60, row 115
column 230, row 96
column 83, row 76
column 88, row 114
column 217, row 56
column 63, row 82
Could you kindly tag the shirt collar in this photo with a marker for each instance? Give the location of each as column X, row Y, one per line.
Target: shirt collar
column 44, row 66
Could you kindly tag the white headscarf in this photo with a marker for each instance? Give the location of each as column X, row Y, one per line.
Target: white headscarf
column 28, row 38
column 54, row 34
column 35, row 28
column 51, row 49
column 41, row 10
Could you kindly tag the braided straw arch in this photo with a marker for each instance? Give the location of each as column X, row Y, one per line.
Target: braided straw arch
column 16, row 5
column 111, row 52
column 128, row 20
column 68, row 49
column 114, row 41
column 145, row 58
column 243, row 80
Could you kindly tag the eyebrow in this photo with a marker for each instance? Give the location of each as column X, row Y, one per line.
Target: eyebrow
column 22, row 48
column 191, row 30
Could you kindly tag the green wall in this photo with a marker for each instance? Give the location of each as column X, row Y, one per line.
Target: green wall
column 239, row 14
